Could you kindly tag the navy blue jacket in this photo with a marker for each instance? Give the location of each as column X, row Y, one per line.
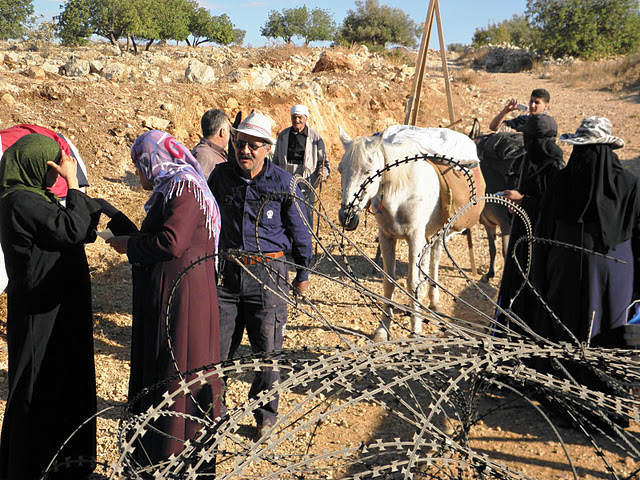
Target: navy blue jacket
column 280, row 226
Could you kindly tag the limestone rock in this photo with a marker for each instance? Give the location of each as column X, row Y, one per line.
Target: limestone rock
column 7, row 99
column 51, row 68
column 332, row 61
column 11, row 59
column 232, row 103
column 155, row 123
column 113, row 50
column 116, row 71
column 77, row 68
column 96, row 66
column 198, row 72
column 505, row 58
column 36, row 72
column 313, row 87
column 260, row 78
column 8, row 87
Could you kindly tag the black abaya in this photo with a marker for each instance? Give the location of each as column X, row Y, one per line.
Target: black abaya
column 49, row 335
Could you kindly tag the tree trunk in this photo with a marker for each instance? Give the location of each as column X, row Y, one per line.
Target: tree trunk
column 148, row 46
column 135, row 47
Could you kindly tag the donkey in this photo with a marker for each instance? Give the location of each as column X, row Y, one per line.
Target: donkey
column 501, row 156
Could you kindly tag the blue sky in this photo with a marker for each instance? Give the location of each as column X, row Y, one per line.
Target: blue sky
column 460, row 18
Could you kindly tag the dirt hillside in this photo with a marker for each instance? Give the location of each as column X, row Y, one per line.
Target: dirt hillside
column 364, row 95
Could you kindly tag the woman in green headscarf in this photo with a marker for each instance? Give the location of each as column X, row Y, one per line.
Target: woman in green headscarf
column 49, row 326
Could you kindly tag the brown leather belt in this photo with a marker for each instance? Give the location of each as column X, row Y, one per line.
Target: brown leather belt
column 265, row 257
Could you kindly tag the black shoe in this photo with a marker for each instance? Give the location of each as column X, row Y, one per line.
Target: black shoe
column 262, row 429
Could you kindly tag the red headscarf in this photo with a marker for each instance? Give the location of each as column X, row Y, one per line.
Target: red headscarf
column 11, row 135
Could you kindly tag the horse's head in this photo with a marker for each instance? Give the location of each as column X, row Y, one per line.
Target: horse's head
column 362, row 158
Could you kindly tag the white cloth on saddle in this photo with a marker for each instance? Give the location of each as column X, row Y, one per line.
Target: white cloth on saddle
column 436, row 141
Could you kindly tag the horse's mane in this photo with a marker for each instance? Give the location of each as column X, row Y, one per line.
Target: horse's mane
column 396, row 178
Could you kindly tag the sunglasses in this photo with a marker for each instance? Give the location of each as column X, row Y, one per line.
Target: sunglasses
column 252, row 145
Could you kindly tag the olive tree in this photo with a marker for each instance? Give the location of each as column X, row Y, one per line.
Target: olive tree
column 515, row 31
column 205, row 27
column 314, row 25
column 374, row 24
column 588, row 28
column 13, row 15
column 73, row 23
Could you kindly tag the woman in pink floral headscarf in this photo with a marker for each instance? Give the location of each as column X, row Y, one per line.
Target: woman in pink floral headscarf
column 181, row 226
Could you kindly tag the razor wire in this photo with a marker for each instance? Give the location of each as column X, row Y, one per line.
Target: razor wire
column 432, row 390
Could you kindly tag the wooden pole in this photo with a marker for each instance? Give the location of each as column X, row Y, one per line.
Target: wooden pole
column 416, row 88
column 413, row 104
column 445, row 68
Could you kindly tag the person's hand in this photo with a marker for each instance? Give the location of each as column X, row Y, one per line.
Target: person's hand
column 300, row 287
column 119, row 244
column 106, row 208
column 504, row 128
column 67, row 169
column 325, row 174
column 511, row 105
column 515, row 196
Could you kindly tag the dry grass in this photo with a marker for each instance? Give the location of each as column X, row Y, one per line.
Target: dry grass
column 400, row 56
column 280, row 54
column 468, row 76
column 185, row 118
column 346, row 49
column 615, row 75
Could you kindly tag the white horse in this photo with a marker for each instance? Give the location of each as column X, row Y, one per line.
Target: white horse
column 407, row 200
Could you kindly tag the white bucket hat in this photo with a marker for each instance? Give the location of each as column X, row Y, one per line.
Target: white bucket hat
column 593, row 130
column 256, row 125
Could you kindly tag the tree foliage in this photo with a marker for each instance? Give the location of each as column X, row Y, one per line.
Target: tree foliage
column 320, row 26
column 114, row 19
column 588, row 28
column 374, row 24
column 38, row 31
column 238, row 36
column 165, row 20
column 314, row 25
column 279, row 25
column 13, row 15
column 73, row 23
column 515, row 31
column 205, row 27
column 148, row 21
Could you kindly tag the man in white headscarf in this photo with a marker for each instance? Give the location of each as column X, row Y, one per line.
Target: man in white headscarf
column 300, row 150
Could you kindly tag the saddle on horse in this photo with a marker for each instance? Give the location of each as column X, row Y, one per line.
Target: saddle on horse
column 457, row 188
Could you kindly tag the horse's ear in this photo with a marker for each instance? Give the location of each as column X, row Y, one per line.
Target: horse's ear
column 344, row 138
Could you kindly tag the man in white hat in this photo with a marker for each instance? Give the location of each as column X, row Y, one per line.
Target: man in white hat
column 260, row 218
column 300, row 150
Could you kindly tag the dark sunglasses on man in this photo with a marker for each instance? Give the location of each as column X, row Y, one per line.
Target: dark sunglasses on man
column 252, row 145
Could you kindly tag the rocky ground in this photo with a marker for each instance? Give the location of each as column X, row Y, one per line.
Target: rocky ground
column 103, row 99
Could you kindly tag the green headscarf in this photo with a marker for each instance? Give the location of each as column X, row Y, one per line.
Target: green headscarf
column 24, row 165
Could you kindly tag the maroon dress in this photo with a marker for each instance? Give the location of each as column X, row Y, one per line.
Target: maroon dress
column 173, row 236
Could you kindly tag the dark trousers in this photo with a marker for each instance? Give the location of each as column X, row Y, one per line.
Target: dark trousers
column 244, row 302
